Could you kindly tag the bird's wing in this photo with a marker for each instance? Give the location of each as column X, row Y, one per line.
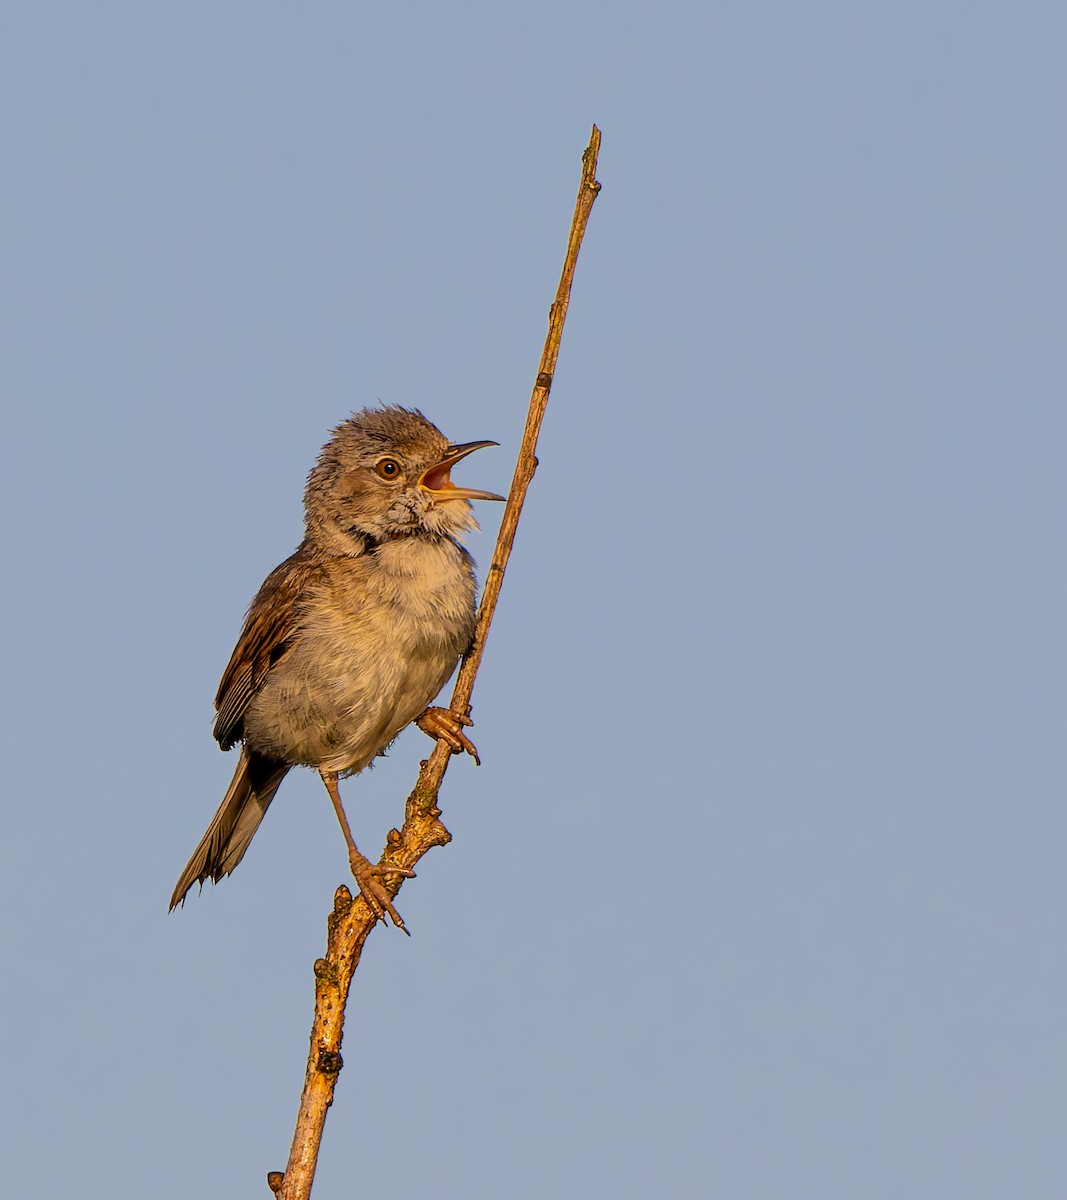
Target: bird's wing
column 268, row 635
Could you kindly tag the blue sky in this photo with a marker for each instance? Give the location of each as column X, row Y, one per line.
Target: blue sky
column 759, row 890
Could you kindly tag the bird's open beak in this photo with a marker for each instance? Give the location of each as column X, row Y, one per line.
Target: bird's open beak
column 437, row 483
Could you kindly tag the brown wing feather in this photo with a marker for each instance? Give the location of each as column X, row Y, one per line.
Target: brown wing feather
column 269, row 632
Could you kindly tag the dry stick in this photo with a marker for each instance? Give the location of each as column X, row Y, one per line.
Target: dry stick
column 351, row 920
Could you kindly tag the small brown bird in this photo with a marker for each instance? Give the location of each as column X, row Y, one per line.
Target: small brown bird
column 349, row 640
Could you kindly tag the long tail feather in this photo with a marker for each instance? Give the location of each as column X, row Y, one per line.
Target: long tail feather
column 243, row 807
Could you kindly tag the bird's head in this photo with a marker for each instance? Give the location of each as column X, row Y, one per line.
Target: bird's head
column 384, row 474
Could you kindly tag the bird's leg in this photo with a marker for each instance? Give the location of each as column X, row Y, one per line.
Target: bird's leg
column 447, row 725
column 366, row 873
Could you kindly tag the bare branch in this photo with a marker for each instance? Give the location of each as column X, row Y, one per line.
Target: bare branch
column 351, row 920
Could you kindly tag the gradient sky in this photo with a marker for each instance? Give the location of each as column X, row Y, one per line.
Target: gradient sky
column 759, row 892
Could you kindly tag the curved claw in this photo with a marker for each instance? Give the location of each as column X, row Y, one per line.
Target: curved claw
column 378, row 900
column 442, row 724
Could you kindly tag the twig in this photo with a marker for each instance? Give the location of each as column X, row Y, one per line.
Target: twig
column 351, row 920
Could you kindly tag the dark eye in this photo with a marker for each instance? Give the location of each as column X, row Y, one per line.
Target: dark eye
column 388, row 469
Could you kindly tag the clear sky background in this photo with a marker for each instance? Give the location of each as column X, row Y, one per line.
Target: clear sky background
column 759, row 892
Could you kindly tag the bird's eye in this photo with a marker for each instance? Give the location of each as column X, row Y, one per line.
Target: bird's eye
column 388, row 469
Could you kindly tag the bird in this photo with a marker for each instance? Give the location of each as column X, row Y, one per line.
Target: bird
column 349, row 640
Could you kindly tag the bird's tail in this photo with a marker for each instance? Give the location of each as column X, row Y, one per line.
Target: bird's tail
column 243, row 807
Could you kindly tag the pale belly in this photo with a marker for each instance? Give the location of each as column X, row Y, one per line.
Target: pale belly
column 361, row 672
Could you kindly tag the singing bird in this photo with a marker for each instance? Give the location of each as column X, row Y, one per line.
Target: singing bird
column 349, row 640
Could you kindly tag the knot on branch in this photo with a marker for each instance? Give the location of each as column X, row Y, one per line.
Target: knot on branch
column 329, row 1062
column 275, row 1179
column 437, row 834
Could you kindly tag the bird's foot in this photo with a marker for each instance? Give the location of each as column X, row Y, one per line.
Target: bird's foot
column 448, row 725
column 368, row 876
